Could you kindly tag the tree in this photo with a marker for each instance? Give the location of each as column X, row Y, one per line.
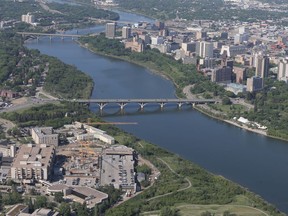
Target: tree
column 167, row 211
column 207, row 213
column 64, row 209
column 226, row 101
column 58, row 197
column 40, row 202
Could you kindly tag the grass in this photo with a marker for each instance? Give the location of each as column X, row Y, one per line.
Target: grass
column 217, row 210
column 208, row 192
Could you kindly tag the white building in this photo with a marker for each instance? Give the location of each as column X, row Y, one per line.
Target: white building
column 204, row 49
column 28, row 18
column 240, row 38
column 126, row 32
column 110, row 30
column 283, row 70
column 157, row 40
column 233, row 50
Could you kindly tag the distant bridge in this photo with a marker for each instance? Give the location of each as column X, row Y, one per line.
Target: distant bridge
column 38, row 34
column 141, row 102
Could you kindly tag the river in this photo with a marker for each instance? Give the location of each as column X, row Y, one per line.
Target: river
column 254, row 161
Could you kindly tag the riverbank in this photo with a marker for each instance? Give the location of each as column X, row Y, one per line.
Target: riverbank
column 150, row 68
column 166, row 76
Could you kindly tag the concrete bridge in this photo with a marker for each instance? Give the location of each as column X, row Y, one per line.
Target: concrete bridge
column 141, row 102
column 38, row 34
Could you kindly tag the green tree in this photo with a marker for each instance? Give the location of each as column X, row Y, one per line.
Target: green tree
column 58, row 197
column 40, row 202
column 167, row 211
column 64, row 209
column 226, row 101
column 207, row 213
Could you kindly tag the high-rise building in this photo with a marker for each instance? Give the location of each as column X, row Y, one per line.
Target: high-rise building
column 224, row 35
column 240, row 74
column 189, row 47
column 110, row 30
column 28, row 18
column 254, row 84
column 262, row 66
column 126, row 32
column 160, row 25
column 242, row 30
column 204, row 49
column 240, row 38
column 222, row 75
column 283, row 70
column 157, row 40
column 200, row 35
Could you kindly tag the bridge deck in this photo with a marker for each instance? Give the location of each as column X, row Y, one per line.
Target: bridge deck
column 142, row 100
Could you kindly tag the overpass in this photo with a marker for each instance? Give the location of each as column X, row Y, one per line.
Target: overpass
column 141, row 102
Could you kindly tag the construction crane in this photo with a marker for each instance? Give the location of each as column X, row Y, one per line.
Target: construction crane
column 85, row 148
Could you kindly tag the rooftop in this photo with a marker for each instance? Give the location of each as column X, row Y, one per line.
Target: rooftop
column 30, row 156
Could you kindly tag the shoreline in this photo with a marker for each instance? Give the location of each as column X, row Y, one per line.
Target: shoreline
column 157, row 72
column 154, row 71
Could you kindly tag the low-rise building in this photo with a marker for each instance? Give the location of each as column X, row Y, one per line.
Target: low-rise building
column 235, row 88
column 44, row 135
column 79, row 194
column 117, row 168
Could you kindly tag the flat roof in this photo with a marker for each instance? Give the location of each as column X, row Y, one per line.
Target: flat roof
column 31, row 156
column 118, row 170
column 16, row 210
column 92, row 196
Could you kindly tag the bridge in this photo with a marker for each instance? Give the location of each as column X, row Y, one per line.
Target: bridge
column 141, row 102
column 38, row 34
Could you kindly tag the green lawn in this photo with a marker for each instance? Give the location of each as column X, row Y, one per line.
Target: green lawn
column 217, row 210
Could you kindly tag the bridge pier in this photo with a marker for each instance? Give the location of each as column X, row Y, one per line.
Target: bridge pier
column 50, row 38
column 142, row 105
column 162, row 105
column 122, row 105
column 101, row 106
column 180, row 105
column 62, row 38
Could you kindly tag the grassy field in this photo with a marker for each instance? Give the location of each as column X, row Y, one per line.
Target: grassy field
column 216, row 210
column 207, row 192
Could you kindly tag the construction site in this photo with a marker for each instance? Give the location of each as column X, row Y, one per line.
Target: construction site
column 91, row 158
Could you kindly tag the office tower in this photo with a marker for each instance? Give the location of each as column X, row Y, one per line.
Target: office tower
column 242, row 30
column 283, row 70
column 204, row 49
column 222, row 75
column 160, row 25
column 262, row 66
column 254, row 84
column 240, row 74
column 110, row 30
column 126, row 32
column 201, row 35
